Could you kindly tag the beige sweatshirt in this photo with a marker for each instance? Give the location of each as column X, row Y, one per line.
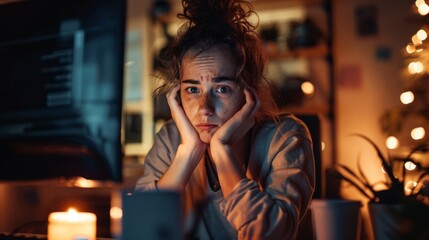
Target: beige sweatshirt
column 268, row 204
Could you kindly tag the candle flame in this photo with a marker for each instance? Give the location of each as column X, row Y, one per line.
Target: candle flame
column 72, row 210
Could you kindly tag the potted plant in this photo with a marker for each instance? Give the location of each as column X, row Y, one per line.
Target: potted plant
column 399, row 210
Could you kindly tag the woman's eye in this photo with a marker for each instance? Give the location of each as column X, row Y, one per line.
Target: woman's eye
column 222, row 89
column 192, row 90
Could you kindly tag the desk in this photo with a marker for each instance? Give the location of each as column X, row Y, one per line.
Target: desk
column 31, row 236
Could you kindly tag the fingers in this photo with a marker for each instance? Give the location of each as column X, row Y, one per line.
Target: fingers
column 252, row 100
column 175, row 108
column 172, row 96
column 249, row 110
column 177, row 112
column 250, row 107
column 242, row 121
column 187, row 132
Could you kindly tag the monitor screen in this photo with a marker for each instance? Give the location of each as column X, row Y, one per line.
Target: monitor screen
column 61, row 75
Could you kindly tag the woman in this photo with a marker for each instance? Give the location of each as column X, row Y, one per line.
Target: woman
column 225, row 147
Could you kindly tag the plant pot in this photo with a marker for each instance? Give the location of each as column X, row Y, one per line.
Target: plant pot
column 399, row 221
column 336, row 219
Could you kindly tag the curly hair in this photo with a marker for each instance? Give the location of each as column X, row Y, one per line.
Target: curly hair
column 220, row 24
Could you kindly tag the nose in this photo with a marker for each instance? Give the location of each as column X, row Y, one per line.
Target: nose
column 206, row 104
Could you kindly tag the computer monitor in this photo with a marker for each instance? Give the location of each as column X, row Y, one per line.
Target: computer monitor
column 61, row 77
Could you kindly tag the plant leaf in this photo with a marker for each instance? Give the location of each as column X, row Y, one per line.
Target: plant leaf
column 421, row 176
column 421, row 148
column 387, row 167
column 336, row 173
column 357, row 178
column 365, row 180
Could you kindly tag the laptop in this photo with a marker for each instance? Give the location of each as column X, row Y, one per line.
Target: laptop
column 153, row 215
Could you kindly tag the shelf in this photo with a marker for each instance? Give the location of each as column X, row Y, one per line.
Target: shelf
column 258, row 5
column 320, row 50
column 276, row 4
column 322, row 109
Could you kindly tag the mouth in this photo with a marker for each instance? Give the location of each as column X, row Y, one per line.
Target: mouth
column 205, row 126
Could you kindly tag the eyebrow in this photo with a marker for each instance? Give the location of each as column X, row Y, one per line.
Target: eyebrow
column 216, row 79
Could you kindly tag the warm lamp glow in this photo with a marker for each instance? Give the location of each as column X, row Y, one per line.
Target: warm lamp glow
column 115, row 213
column 416, row 40
column 410, row 166
column 323, row 145
column 415, row 67
column 407, row 97
column 423, row 9
column 392, row 142
column 307, row 88
column 418, row 133
column 410, row 48
column 85, row 183
column 419, row 67
column 420, row 2
column 421, row 34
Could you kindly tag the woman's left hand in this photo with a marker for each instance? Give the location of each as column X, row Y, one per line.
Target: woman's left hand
column 226, row 141
column 240, row 123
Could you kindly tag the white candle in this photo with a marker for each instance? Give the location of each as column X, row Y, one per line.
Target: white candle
column 72, row 225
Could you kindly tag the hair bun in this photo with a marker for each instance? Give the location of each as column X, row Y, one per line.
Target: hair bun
column 214, row 13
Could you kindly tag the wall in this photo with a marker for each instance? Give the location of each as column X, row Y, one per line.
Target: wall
column 367, row 85
column 376, row 83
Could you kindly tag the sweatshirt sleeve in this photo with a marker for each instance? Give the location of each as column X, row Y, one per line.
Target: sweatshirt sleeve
column 159, row 157
column 271, row 204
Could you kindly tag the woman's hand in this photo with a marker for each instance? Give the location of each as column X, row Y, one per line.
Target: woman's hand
column 189, row 152
column 188, row 133
column 240, row 123
column 227, row 146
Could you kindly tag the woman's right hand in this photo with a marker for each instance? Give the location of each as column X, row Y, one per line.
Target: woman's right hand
column 189, row 152
column 189, row 135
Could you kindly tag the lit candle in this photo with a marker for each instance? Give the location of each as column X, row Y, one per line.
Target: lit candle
column 72, row 225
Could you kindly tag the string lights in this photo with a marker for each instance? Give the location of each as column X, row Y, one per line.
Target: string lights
column 413, row 115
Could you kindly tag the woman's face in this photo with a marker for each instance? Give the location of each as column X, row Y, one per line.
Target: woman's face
column 209, row 92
